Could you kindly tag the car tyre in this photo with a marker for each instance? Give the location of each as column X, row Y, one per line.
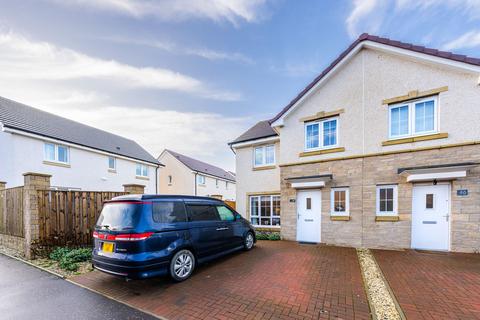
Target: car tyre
column 249, row 241
column 182, row 265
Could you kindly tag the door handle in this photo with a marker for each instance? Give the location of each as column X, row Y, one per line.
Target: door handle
column 222, row 229
column 447, row 217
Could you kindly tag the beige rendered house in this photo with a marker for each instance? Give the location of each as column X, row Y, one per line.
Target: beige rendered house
column 187, row 176
column 382, row 149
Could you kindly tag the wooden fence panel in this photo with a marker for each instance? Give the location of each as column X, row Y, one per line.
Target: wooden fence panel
column 11, row 211
column 69, row 217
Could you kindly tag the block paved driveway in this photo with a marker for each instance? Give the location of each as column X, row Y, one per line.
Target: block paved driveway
column 276, row 280
column 432, row 285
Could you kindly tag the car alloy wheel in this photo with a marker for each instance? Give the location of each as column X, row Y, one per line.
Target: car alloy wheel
column 249, row 240
column 182, row 265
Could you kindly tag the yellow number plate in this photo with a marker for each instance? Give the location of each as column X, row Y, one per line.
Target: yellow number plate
column 107, row 247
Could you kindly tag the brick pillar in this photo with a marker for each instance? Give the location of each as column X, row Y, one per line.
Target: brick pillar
column 134, row 188
column 32, row 183
column 3, row 185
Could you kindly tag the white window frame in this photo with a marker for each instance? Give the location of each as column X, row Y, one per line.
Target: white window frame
column 114, row 163
column 143, row 173
column 264, row 156
column 201, row 180
column 259, row 216
column 411, row 118
column 347, row 202
column 395, row 200
column 55, row 146
column 320, row 134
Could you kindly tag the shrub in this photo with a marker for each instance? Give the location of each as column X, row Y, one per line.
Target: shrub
column 266, row 235
column 68, row 258
column 274, row 236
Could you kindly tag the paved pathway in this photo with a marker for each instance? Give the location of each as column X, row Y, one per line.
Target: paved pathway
column 433, row 285
column 276, row 280
column 29, row 293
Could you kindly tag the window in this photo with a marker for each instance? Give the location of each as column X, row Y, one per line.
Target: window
column 56, row 153
column 200, row 179
column 309, row 204
column 340, row 202
column 226, row 185
column 225, row 213
column 168, row 212
column 112, row 163
column 413, row 118
column 202, row 213
column 321, row 134
column 429, row 201
column 387, row 200
column 170, row 179
column 216, row 183
column 141, row 170
column 264, row 155
column 265, row 210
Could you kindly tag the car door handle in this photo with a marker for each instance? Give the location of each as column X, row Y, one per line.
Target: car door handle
column 222, row 229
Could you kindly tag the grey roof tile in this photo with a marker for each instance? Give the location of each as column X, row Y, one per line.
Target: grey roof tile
column 260, row 130
column 25, row 118
column 202, row 167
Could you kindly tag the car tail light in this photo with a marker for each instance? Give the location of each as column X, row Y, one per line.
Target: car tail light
column 123, row 237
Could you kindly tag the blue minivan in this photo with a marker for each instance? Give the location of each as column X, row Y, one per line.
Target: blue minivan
column 142, row 236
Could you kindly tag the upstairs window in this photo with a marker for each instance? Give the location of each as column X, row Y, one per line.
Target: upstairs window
column 413, row 118
column 264, row 155
column 141, row 170
column 321, row 134
column 56, row 153
column 200, row 179
column 112, row 163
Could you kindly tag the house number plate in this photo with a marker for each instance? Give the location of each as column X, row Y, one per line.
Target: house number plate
column 462, row 192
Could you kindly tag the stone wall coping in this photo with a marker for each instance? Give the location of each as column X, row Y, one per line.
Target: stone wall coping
column 134, row 185
column 37, row 174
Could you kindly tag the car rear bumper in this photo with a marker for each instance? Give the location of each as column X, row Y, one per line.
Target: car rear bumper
column 138, row 271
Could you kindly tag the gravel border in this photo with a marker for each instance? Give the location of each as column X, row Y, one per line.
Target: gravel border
column 380, row 297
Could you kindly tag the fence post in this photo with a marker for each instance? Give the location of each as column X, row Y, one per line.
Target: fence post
column 134, row 188
column 3, row 185
column 32, row 183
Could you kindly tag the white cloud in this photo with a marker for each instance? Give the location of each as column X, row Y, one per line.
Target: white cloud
column 21, row 58
column 470, row 39
column 205, row 53
column 176, row 10
column 361, row 9
column 374, row 15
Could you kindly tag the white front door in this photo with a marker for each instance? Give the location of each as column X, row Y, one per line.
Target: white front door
column 309, row 212
column 430, row 217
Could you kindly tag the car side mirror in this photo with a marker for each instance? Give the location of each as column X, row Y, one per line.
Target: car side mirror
column 238, row 217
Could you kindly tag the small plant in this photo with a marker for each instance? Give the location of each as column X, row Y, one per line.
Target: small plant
column 265, row 235
column 69, row 258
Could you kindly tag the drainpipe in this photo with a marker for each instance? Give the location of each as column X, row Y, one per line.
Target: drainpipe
column 233, row 150
column 196, row 173
column 156, row 179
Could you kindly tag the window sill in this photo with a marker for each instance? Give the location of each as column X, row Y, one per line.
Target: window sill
column 322, row 151
column 58, row 164
column 264, row 168
column 112, row 170
column 434, row 136
column 340, row 218
column 387, row 218
column 267, row 228
column 142, row 178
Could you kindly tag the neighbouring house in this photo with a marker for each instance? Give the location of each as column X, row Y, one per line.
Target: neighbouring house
column 187, row 176
column 382, row 149
column 78, row 157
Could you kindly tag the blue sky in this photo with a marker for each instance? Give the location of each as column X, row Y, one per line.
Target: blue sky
column 192, row 75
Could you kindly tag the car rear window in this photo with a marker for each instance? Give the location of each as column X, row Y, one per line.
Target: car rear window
column 119, row 216
column 202, row 213
column 168, row 212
